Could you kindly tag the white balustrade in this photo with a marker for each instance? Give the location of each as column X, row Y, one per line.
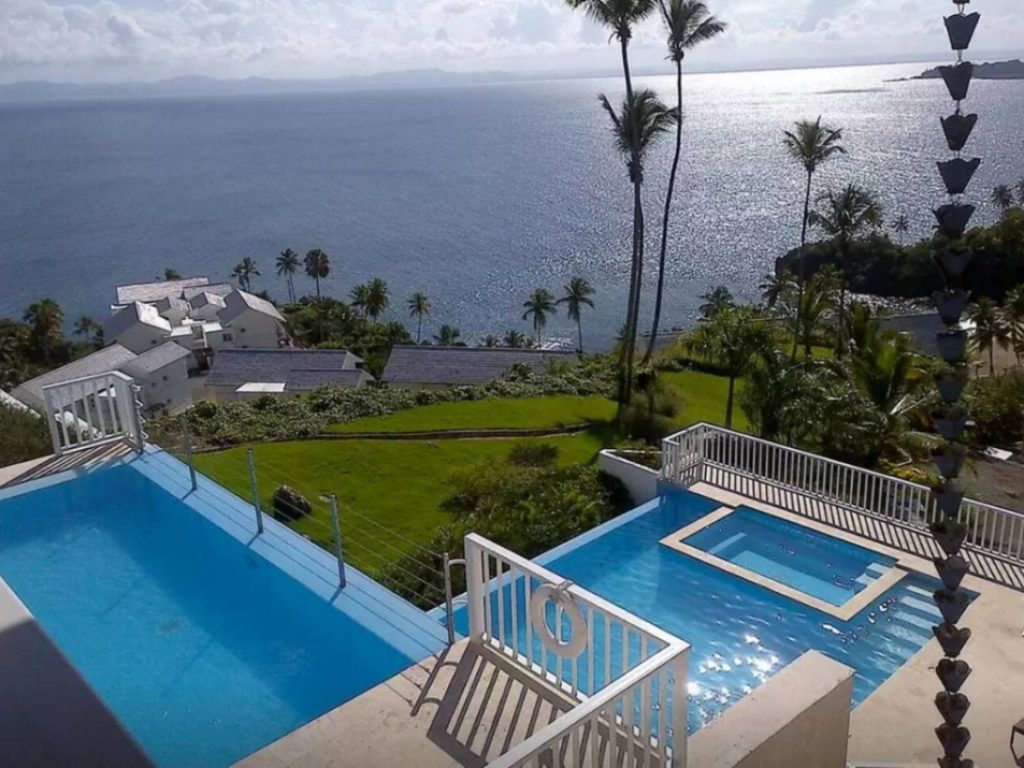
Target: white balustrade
column 750, row 465
column 628, row 676
column 92, row 411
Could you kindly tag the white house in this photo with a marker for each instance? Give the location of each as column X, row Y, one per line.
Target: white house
column 162, row 373
column 138, row 327
column 250, row 322
column 206, row 306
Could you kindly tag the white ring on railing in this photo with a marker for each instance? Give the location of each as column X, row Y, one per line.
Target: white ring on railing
column 559, row 595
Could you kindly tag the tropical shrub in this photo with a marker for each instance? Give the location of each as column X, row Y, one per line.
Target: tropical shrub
column 233, row 423
column 25, row 436
column 533, row 455
column 996, row 404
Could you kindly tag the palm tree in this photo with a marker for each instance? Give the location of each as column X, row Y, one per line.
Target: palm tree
column 811, row 145
column 990, row 329
column 449, row 336
column 90, row 329
column 730, row 339
column 1002, row 198
column 287, row 266
column 170, row 274
column 378, row 297
column 775, row 287
column 318, row 266
column 419, row 305
column 620, row 16
column 901, row 225
column 716, row 300
column 514, row 339
column 642, row 119
column 46, row 321
column 577, row 295
column 360, row 296
column 490, row 341
column 245, row 271
column 689, row 23
column 1013, row 312
column 844, row 215
column 540, row 304
column 1020, row 192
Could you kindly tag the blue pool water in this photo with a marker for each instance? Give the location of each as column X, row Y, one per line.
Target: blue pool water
column 823, row 566
column 740, row 633
column 202, row 648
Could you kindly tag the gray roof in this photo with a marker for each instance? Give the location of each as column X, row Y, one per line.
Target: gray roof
column 298, row 369
column 154, row 359
column 239, row 301
column 108, row 359
column 134, row 313
column 462, row 365
column 151, row 292
column 168, row 303
column 202, row 298
column 921, row 329
column 217, row 289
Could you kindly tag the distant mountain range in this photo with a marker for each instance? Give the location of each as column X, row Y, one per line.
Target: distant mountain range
column 996, row 70
column 200, row 85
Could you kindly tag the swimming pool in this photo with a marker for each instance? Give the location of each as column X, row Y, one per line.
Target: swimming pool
column 740, row 633
column 822, row 566
column 204, row 648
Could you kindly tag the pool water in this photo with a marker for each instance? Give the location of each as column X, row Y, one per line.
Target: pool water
column 203, row 649
column 740, row 633
column 822, row 566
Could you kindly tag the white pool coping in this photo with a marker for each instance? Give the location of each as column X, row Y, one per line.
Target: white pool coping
column 845, row 612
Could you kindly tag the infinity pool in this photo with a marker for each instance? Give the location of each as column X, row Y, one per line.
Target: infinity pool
column 740, row 633
column 204, row 649
column 823, row 566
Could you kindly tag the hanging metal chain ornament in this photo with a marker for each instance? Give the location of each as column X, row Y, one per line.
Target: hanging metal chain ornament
column 948, row 527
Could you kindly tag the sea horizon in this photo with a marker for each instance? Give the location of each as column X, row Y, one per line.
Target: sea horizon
column 474, row 194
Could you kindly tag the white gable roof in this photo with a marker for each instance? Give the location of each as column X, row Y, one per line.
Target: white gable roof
column 239, row 301
column 133, row 314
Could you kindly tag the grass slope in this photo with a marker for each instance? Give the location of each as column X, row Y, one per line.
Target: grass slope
column 525, row 413
column 704, row 396
column 399, row 484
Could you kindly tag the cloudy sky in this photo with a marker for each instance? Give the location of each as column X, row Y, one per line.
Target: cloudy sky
column 147, row 39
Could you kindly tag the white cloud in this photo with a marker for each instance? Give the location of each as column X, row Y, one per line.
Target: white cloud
column 141, row 38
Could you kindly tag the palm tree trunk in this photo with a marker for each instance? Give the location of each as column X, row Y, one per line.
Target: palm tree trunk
column 668, row 209
column 632, row 319
column 419, row 328
column 629, row 345
column 992, row 359
column 841, row 331
column 729, row 402
column 579, row 335
column 802, row 270
column 318, row 286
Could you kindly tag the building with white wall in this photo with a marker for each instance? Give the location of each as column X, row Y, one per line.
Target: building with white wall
column 251, row 322
column 138, row 327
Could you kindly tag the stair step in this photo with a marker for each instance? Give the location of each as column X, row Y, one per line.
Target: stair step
column 723, row 545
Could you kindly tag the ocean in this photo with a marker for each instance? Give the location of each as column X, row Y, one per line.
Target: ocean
column 475, row 195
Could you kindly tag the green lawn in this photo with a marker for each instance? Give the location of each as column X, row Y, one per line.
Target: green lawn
column 525, row 413
column 400, row 484
column 704, row 397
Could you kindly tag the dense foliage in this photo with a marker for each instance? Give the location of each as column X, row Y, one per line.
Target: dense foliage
column 996, row 405
column 527, row 503
column 226, row 424
column 879, row 266
column 24, row 436
column 37, row 345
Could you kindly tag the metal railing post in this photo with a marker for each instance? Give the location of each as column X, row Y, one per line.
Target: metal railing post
column 338, row 551
column 135, row 403
column 448, row 602
column 188, row 452
column 255, row 490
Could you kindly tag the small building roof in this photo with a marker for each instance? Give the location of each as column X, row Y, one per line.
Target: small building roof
column 264, row 387
column 135, row 313
column 171, row 303
column 206, row 298
column 161, row 289
column 108, row 359
column 300, row 370
column 239, row 301
column 10, row 401
column 920, row 328
column 154, row 359
column 410, row 364
column 217, row 289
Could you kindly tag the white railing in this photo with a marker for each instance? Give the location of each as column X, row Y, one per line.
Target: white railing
column 741, row 463
column 628, row 677
column 93, row 410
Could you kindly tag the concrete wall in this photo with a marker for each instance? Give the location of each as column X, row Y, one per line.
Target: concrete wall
column 640, row 481
column 140, row 338
column 168, row 388
column 800, row 718
column 254, row 330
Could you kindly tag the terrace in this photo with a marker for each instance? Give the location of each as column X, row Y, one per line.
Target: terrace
column 617, row 647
